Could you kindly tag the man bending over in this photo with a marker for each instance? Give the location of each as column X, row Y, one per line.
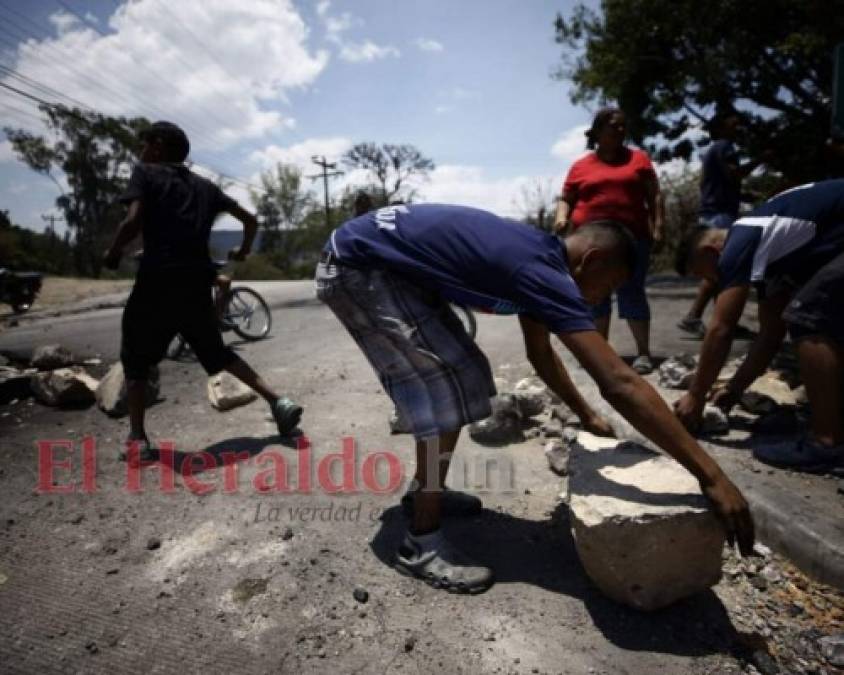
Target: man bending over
column 388, row 276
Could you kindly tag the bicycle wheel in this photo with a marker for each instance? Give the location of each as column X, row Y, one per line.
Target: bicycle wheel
column 248, row 313
column 467, row 318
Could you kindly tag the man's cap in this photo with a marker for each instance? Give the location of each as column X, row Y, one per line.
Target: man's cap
column 170, row 134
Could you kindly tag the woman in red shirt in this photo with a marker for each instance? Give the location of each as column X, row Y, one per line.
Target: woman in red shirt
column 617, row 183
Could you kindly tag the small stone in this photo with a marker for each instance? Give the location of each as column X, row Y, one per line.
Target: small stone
column 677, row 372
column 361, row 595
column 50, row 357
column 832, row 648
column 287, row 535
column 409, row 643
column 91, row 647
column 226, row 392
column 557, row 454
column 153, row 543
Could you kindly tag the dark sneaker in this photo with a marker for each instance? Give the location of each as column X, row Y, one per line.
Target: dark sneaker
column 454, row 503
column 642, row 364
column 433, row 559
column 146, row 451
column 803, row 455
column 744, row 333
column 692, row 325
column 286, row 415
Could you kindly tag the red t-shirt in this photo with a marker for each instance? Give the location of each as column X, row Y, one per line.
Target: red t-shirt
column 611, row 191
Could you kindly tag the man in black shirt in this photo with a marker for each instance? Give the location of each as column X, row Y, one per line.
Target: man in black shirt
column 174, row 209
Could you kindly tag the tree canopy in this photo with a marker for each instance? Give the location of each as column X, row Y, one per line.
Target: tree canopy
column 667, row 63
column 93, row 153
column 391, row 167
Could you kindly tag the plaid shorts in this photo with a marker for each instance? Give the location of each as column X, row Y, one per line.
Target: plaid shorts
column 430, row 367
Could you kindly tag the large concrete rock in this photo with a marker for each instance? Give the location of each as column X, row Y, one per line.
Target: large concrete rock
column 644, row 532
column 50, row 357
column 532, row 396
column 64, row 387
column 111, row 392
column 226, row 392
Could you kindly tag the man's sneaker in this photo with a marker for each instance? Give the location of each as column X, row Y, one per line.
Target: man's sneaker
column 145, row 453
column 744, row 333
column 803, row 455
column 642, row 364
column 433, row 559
column 453, row 503
column 286, row 415
column 693, row 325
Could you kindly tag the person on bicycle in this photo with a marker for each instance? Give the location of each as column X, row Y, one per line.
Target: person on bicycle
column 388, row 277
column 174, row 209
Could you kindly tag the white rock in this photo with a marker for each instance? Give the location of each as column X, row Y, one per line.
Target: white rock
column 644, row 532
column 832, row 648
column 532, row 396
column 677, row 372
column 775, row 388
column 557, row 454
column 111, row 392
column 64, row 387
column 226, row 392
column 49, row 357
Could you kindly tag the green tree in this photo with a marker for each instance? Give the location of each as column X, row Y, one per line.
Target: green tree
column 391, row 168
column 667, row 62
column 281, row 204
column 93, row 153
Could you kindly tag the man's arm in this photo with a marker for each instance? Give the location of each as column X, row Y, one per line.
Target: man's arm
column 548, row 365
column 772, row 330
column 640, row 405
column 656, row 207
column 729, row 306
column 129, row 228
column 564, row 208
column 250, row 229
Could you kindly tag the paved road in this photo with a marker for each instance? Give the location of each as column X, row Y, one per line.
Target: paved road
column 177, row 581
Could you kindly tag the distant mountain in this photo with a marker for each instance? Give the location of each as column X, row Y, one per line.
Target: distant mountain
column 223, row 241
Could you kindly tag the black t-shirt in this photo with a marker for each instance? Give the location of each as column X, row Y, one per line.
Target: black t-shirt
column 178, row 209
column 719, row 191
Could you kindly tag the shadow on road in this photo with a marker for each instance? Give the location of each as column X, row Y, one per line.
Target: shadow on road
column 542, row 553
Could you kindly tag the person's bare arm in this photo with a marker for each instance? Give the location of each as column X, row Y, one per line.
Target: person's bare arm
column 772, row 330
column 129, row 228
column 713, row 354
column 564, row 208
column 643, row 407
column 548, row 365
column 656, row 207
column 250, row 229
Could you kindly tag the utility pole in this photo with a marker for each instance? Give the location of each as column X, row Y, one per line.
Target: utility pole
column 52, row 219
column 325, row 165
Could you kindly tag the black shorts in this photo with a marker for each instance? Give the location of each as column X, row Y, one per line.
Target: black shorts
column 816, row 306
column 162, row 304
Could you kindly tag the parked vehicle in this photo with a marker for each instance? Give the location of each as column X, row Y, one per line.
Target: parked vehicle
column 19, row 289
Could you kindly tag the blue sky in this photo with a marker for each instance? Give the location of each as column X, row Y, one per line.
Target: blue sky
column 260, row 81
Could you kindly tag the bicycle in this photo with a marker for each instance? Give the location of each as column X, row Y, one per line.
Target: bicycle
column 246, row 313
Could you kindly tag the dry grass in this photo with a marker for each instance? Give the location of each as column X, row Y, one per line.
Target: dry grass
column 62, row 291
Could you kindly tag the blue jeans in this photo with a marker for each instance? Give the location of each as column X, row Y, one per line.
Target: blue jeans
column 632, row 301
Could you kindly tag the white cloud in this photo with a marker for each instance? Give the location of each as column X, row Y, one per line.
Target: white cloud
column 63, row 21
column 469, row 186
column 300, row 154
column 249, row 55
column 442, row 109
column 322, row 7
column 571, row 144
column 363, row 52
column 428, row 45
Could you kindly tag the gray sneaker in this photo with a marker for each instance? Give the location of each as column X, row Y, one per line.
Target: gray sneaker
column 433, row 559
column 642, row 364
column 692, row 325
column 286, row 415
